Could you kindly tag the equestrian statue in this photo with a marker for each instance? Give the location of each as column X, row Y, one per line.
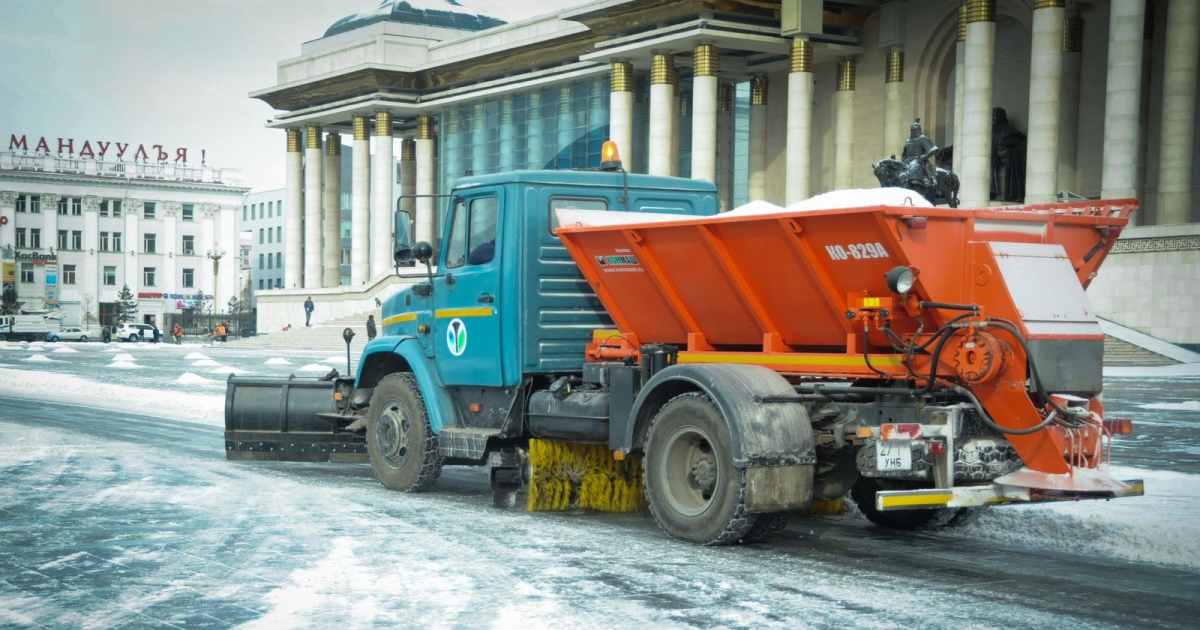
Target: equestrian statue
column 915, row 172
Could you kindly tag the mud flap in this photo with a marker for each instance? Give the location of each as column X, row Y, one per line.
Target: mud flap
column 779, row 488
column 288, row 419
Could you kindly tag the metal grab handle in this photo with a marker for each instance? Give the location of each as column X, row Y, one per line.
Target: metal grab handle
column 486, row 299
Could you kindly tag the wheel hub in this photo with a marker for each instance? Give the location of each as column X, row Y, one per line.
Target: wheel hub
column 391, row 433
column 690, row 470
column 704, row 473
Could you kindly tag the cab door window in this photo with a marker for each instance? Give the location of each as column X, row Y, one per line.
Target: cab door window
column 472, row 233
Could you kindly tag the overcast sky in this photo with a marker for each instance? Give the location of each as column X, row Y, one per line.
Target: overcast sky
column 171, row 73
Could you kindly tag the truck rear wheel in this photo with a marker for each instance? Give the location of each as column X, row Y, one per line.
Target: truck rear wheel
column 401, row 445
column 694, row 491
column 863, row 494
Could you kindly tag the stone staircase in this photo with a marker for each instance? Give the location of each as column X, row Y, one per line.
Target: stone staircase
column 1119, row 352
column 320, row 337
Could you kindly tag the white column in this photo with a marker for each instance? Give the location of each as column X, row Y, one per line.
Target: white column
column 313, row 198
column 662, row 92
column 1045, row 90
column 1177, row 152
column 1068, row 128
column 976, row 162
column 534, row 155
column 674, row 120
column 566, row 123
column 426, row 173
column 88, row 277
column 169, row 246
column 756, row 166
column 960, row 81
column 505, row 140
column 799, row 123
column 704, row 113
column 843, row 131
column 331, row 247
column 383, row 173
column 49, row 224
column 1125, row 28
column 479, row 157
column 895, row 112
column 131, row 213
column 725, row 146
column 293, row 251
column 227, row 239
column 360, row 204
column 620, row 111
column 8, row 227
column 208, row 245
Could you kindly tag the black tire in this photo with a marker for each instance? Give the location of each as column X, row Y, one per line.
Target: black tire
column 401, row 445
column 966, row 516
column 83, row 339
column 863, row 494
column 766, row 526
column 694, row 491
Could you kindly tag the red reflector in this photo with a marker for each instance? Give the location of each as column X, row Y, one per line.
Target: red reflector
column 937, row 448
column 910, row 431
column 1118, row 426
column 915, row 223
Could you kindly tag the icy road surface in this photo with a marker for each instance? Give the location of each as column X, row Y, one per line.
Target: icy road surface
column 114, row 519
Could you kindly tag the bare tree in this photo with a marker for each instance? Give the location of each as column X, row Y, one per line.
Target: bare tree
column 89, row 314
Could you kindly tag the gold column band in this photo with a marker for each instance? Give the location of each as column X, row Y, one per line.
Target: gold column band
column 981, row 11
column 1048, row 4
column 408, row 149
column 675, row 80
column 564, row 100
column 847, row 68
column 801, row 56
column 333, row 144
column 383, row 123
column 895, row 67
column 478, row 118
column 962, row 23
column 704, row 61
column 660, row 69
column 1073, row 35
column 622, row 76
column 293, row 140
column 360, row 127
column 312, row 138
column 506, row 111
column 424, row 127
column 725, row 97
column 758, row 90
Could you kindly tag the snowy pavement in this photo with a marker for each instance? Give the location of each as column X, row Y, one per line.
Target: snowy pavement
column 113, row 519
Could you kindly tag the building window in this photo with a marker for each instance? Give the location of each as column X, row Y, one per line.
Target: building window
column 68, row 274
column 260, row 284
column 260, row 262
column 270, row 208
column 104, row 207
column 35, row 204
column 77, row 206
column 279, row 260
column 260, row 236
column 270, row 235
column 269, row 265
column 22, row 204
column 345, row 256
column 278, row 283
column 148, row 276
column 110, row 276
column 21, row 238
column 189, row 245
column 189, row 212
column 118, row 245
column 189, row 278
column 77, row 240
column 148, row 210
column 279, row 234
column 148, row 242
column 116, row 207
column 63, row 239
column 104, row 241
column 245, row 213
column 27, row 273
column 63, row 204
column 35, row 238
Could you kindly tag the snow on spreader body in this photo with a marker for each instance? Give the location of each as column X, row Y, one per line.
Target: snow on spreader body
column 927, row 362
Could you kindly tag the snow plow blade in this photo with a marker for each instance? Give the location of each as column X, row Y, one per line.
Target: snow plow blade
column 288, row 419
column 994, row 494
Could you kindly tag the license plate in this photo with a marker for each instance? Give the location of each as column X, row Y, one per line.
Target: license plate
column 893, row 456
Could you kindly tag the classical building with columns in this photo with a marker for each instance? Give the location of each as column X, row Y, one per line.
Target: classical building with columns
column 769, row 99
column 75, row 229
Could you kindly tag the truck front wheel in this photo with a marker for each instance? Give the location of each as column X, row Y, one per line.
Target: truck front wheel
column 401, row 445
column 694, row 490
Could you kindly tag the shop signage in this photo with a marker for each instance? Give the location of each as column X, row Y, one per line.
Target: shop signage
column 10, row 272
column 92, row 149
column 51, row 284
column 37, row 258
column 170, row 296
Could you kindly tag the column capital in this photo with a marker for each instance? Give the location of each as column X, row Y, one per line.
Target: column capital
column 962, row 23
column 312, row 137
column 895, row 67
column 383, row 124
column 704, row 60
column 128, row 205
column 622, row 76
column 1073, row 35
column 980, row 11
column 360, row 123
column 208, row 209
column 50, row 199
column 333, row 144
column 758, row 90
column 847, row 70
column 801, row 56
column 425, row 126
column 8, row 197
column 1049, row 4
column 408, row 149
column 293, row 140
column 725, row 97
column 91, row 203
column 661, row 65
column 172, row 208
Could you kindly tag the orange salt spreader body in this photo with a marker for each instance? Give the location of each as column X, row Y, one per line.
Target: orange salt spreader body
column 985, row 304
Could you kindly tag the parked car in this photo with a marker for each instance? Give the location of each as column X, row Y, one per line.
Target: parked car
column 138, row 332
column 69, row 334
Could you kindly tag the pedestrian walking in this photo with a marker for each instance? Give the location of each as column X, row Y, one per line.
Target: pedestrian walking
column 177, row 332
column 370, row 327
column 106, row 334
column 308, row 309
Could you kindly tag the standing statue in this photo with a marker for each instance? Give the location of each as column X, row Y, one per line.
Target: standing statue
column 1008, row 159
column 915, row 172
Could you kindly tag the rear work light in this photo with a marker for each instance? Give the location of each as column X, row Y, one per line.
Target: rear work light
column 1118, row 426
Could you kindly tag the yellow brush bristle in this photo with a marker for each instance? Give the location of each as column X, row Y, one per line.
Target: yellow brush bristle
column 567, row 475
column 821, row 507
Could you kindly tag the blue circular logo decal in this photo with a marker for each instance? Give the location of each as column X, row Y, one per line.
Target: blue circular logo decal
column 456, row 337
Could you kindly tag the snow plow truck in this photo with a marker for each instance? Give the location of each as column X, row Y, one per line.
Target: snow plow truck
column 607, row 340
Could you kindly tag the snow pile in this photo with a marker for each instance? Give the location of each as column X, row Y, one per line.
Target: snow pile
column 195, row 356
column 65, row 350
column 40, row 358
column 123, row 357
column 125, row 365
column 314, row 367
column 205, row 363
column 187, row 378
column 35, row 347
column 112, row 349
column 334, row 360
column 32, row 384
column 756, row 207
column 225, row 369
column 278, row 361
column 1187, row 405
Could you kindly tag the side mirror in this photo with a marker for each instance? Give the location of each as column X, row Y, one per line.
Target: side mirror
column 422, row 252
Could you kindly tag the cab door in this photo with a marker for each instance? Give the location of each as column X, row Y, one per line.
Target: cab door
column 467, row 300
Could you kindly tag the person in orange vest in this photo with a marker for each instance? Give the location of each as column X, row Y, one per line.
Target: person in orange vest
column 177, row 332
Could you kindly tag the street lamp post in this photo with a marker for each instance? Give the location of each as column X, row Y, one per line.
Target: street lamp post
column 214, row 255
